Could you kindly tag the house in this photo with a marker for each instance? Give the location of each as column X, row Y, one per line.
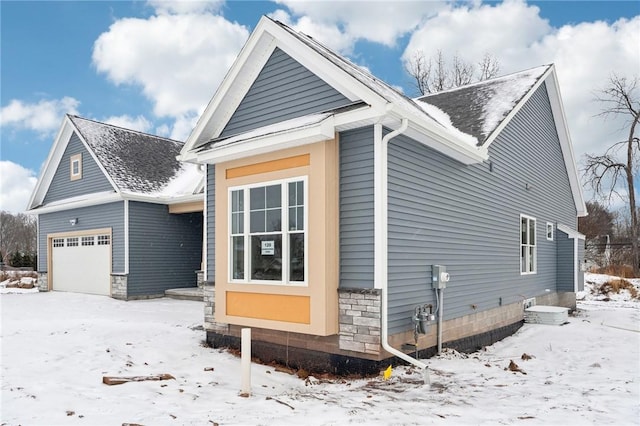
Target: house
column 336, row 207
column 118, row 215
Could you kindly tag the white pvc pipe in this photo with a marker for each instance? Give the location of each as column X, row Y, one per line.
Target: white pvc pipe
column 245, row 361
column 381, row 238
column 440, row 304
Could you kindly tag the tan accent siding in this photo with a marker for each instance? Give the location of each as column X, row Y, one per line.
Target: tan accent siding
column 269, row 166
column 322, row 236
column 275, row 307
column 191, row 207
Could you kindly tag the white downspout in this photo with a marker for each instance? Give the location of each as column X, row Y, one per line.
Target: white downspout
column 381, row 220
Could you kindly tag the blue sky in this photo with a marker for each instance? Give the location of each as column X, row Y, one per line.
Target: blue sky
column 141, row 64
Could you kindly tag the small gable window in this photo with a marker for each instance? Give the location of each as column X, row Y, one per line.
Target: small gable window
column 76, row 167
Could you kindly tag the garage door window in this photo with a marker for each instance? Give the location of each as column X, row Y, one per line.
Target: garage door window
column 104, row 240
column 72, row 242
column 58, row 242
column 88, row 241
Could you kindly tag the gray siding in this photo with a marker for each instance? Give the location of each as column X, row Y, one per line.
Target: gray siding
column 211, row 222
column 103, row 216
column 566, row 266
column 165, row 249
column 284, row 89
column 93, row 180
column 468, row 218
column 356, row 208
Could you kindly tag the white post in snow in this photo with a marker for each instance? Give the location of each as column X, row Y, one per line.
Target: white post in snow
column 245, row 362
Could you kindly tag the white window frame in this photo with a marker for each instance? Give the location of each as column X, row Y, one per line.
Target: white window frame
column 284, row 232
column 550, row 231
column 528, row 245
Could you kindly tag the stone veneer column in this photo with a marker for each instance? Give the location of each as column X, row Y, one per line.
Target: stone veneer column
column 200, row 278
column 43, row 281
column 119, row 286
column 210, row 324
column 359, row 320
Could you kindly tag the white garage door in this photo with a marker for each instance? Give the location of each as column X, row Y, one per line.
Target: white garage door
column 82, row 264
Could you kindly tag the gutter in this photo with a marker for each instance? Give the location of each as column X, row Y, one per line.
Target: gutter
column 381, row 220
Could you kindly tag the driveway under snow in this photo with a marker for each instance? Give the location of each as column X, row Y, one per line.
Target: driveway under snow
column 56, row 347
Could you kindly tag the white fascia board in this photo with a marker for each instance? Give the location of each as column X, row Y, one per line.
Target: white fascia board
column 162, row 200
column 78, row 202
column 51, row 164
column 570, row 232
column 559, row 117
column 322, row 131
column 236, row 83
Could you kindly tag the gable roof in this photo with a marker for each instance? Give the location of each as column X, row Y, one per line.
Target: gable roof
column 460, row 123
column 478, row 109
column 138, row 165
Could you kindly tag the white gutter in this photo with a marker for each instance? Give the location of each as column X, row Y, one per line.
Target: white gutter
column 381, row 221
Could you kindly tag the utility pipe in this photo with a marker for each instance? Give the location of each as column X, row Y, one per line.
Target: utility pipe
column 440, row 304
column 381, row 204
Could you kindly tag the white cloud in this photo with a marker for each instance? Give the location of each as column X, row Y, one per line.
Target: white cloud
column 183, row 125
column 585, row 55
column 139, row 123
column 340, row 24
column 178, row 60
column 185, row 6
column 43, row 117
column 16, row 186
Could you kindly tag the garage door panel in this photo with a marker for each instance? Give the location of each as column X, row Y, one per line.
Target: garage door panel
column 82, row 264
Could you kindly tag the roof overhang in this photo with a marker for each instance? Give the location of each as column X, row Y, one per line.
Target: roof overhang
column 80, row 201
column 573, row 234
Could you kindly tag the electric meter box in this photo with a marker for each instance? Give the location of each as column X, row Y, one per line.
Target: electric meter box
column 440, row 277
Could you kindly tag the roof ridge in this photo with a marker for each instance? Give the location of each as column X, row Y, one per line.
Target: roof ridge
column 124, row 128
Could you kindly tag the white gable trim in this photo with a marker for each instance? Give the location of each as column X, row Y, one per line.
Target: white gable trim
column 570, row 232
column 53, row 162
column 559, row 118
column 265, row 38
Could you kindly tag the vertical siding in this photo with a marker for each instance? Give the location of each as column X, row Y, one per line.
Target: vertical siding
column 93, row 180
column 284, row 89
column 211, row 222
column 468, row 218
column 165, row 249
column 103, row 216
column 356, row 208
column 565, row 262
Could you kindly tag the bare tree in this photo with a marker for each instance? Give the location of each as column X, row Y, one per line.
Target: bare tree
column 17, row 234
column 436, row 74
column 619, row 162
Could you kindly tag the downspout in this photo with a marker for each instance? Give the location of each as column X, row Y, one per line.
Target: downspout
column 381, row 204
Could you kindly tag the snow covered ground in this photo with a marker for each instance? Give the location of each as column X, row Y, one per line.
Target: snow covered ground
column 56, row 347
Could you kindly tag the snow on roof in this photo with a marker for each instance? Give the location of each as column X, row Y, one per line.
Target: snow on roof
column 478, row 109
column 444, row 119
column 137, row 162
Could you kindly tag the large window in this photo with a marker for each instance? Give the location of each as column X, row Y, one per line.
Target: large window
column 527, row 245
column 261, row 248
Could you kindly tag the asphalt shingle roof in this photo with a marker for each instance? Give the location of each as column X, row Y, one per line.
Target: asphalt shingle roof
column 137, row 162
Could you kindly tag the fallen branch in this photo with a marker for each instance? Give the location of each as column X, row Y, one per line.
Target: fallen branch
column 109, row 380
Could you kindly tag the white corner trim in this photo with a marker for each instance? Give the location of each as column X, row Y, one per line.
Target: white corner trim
column 126, row 237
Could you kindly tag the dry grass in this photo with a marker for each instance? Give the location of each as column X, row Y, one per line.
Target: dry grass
column 624, row 271
column 617, row 285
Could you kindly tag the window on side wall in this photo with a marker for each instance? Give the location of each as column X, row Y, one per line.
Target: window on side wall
column 76, row 167
column 549, row 231
column 267, row 230
column 528, row 254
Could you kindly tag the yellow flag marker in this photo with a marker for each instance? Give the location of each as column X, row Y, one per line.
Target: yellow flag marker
column 387, row 373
